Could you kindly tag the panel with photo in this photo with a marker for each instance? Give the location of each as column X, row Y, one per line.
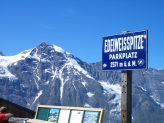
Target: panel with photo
column 53, row 115
column 91, row 117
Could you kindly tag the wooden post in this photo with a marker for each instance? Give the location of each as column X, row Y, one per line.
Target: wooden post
column 126, row 96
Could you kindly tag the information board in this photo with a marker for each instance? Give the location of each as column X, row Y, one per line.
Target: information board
column 65, row 114
column 126, row 51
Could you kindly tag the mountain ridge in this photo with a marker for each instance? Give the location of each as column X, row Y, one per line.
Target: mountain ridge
column 49, row 75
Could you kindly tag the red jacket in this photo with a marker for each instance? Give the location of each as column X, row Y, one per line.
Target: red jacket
column 2, row 117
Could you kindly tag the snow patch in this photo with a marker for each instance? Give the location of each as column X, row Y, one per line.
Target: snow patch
column 59, row 49
column 110, row 88
column 15, row 63
column 47, row 83
column 5, row 61
column 74, row 63
column 87, row 105
column 162, row 82
column 74, row 86
column 84, row 83
column 38, row 95
column 142, row 88
column 157, row 101
column 113, row 89
column 23, row 85
column 45, row 60
column 47, row 71
column 53, row 73
column 34, row 56
column 62, row 81
column 90, row 94
column 4, row 72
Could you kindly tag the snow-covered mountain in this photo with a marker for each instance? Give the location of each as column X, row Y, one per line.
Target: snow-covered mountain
column 49, row 75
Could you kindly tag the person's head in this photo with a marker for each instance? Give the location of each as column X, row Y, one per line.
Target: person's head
column 3, row 109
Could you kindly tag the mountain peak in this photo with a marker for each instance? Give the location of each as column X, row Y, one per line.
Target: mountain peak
column 1, row 54
column 51, row 46
column 44, row 43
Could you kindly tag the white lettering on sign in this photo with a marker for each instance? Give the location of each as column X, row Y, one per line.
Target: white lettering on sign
column 134, row 63
column 113, row 64
column 123, row 64
column 123, row 56
column 124, row 43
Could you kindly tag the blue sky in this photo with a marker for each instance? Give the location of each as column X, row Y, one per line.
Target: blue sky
column 78, row 26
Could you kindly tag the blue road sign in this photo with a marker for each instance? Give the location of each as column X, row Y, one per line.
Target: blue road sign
column 128, row 51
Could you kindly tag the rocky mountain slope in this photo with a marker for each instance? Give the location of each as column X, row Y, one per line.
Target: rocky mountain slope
column 1, row 54
column 49, row 75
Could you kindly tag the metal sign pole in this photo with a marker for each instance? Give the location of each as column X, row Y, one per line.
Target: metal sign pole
column 126, row 96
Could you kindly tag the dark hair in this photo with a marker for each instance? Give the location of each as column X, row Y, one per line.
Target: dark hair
column 3, row 109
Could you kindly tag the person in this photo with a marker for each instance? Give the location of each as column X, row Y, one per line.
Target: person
column 4, row 116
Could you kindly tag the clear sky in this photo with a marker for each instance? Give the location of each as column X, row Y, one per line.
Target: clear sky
column 78, row 26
